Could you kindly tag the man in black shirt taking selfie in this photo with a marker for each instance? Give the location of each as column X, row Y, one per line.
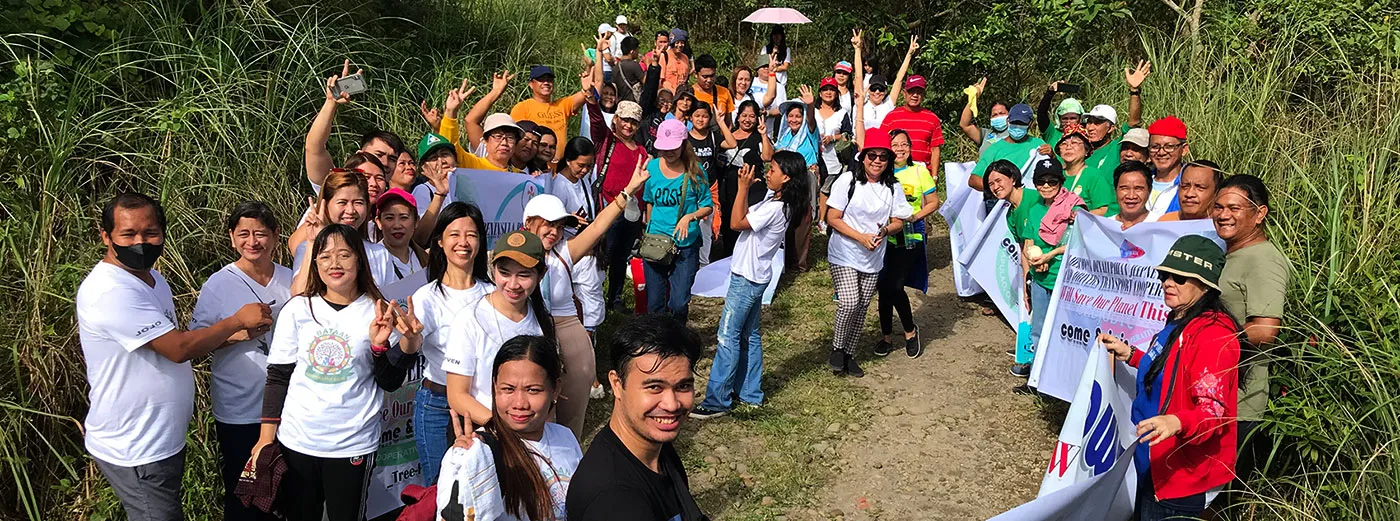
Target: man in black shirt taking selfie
column 631, row 471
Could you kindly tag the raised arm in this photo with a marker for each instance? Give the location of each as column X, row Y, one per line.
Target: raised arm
column 729, row 141
column 897, row 87
column 858, row 130
column 1042, row 111
column 647, row 98
column 318, row 157
column 811, row 102
column 965, row 122
column 739, row 216
column 772, row 92
column 582, row 244
column 472, row 122
column 1134, row 79
column 766, row 143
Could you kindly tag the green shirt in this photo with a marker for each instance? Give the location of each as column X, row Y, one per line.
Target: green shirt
column 1024, row 222
column 1053, row 134
column 1094, row 188
column 1254, row 284
column 1105, row 160
column 1019, row 154
column 917, row 182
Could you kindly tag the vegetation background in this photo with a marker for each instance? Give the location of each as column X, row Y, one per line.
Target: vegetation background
column 205, row 103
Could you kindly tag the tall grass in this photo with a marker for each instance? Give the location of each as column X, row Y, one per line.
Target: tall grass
column 1328, row 153
column 202, row 105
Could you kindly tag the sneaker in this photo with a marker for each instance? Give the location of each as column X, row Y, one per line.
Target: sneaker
column 1011, row 353
column 748, row 406
column 883, row 348
column 1021, row 370
column 852, row 369
column 706, row 413
column 597, row 392
column 837, row 362
column 914, row 347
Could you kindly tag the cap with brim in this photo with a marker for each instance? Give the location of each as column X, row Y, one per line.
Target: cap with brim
column 843, row 66
column 1170, row 126
column 604, row 28
column 828, row 82
column 540, row 71
column 1069, row 106
column 679, row 35
column 500, row 120
column 1196, row 257
column 430, row 143
column 878, row 82
column 621, row 20
column 1137, row 137
column 549, row 208
column 392, row 194
column 762, row 62
column 1103, row 112
column 1020, row 114
column 628, row 109
column 670, row 134
column 915, row 82
column 520, row 246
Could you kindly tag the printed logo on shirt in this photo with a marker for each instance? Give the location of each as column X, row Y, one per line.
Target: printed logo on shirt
column 149, row 327
column 1009, row 292
column 357, row 461
column 329, row 358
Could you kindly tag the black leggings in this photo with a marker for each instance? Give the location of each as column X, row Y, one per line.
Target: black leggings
column 620, row 238
column 313, row 484
column 891, row 289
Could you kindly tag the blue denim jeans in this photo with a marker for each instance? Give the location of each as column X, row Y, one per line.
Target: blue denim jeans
column 668, row 287
column 740, row 346
column 1040, row 300
column 432, row 423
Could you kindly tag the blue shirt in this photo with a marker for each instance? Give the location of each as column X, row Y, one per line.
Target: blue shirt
column 1148, row 404
column 803, row 142
column 664, row 196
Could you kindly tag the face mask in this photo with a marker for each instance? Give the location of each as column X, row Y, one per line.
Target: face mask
column 999, row 123
column 138, row 256
column 1018, row 132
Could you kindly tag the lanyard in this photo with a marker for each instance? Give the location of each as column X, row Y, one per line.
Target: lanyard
column 262, row 344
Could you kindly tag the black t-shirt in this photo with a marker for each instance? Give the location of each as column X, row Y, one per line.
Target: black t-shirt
column 707, row 150
column 611, row 484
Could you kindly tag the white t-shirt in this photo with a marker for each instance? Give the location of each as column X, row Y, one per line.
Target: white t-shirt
column 576, row 195
column 239, row 371
column 474, row 469
column 423, row 194
column 758, row 90
column 141, row 402
column 875, row 114
column 558, row 281
column 830, row 126
column 557, row 454
column 588, row 287
column 436, row 309
column 381, row 264
column 332, row 406
column 870, row 207
column 753, row 253
column 399, row 269
column 1161, row 199
column 475, row 337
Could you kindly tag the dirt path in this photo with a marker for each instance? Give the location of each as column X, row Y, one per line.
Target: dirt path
column 947, row 439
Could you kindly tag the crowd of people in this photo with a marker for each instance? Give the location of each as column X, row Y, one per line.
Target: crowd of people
column 674, row 167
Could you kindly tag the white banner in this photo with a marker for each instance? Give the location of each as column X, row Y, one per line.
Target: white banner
column 993, row 258
column 501, row 196
column 713, row 280
column 1107, row 283
column 1098, row 426
column 964, row 211
column 1105, row 497
column 396, row 460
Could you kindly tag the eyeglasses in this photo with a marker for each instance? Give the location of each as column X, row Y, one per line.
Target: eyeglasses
column 503, row 136
column 1176, row 278
column 1166, row 148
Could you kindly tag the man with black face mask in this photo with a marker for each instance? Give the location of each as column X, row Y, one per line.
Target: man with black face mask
column 142, row 386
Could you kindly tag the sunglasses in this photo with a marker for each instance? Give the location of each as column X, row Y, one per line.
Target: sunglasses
column 880, row 156
column 1176, row 278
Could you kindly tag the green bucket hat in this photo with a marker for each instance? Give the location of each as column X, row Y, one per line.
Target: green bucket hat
column 1196, row 257
column 430, row 142
column 1067, row 106
column 520, row 246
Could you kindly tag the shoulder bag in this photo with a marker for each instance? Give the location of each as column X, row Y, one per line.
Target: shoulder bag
column 660, row 248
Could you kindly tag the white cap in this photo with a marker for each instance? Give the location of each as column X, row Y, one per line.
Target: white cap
column 549, row 208
column 1137, row 136
column 1104, row 112
column 604, row 28
column 621, row 20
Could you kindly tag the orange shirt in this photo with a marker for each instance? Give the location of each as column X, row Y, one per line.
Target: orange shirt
column 726, row 100
column 554, row 115
column 676, row 72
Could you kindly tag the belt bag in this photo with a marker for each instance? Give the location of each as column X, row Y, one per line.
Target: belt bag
column 660, row 248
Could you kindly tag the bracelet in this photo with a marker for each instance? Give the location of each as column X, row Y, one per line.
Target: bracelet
column 1135, row 92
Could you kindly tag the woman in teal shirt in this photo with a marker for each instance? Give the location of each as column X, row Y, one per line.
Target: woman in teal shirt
column 677, row 198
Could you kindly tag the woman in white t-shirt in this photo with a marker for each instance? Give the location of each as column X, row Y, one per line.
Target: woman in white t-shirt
column 514, row 307
column 326, row 377
column 867, row 204
column 518, row 466
column 456, row 280
column 239, row 369
column 547, row 217
column 396, row 214
column 833, row 123
column 762, row 228
column 344, row 199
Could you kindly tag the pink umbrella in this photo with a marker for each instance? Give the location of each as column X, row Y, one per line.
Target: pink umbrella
column 777, row 15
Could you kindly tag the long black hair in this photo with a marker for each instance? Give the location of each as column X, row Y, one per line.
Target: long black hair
column 1208, row 303
column 782, row 48
column 537, row 303
column 364, row 279
column 794, row 193
column 524, row 489
column 437, row 258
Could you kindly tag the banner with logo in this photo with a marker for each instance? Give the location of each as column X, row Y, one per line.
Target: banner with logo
column 993, row 259
column 964, row 212
column 1108, row 283
column 1099, row 423
column 1106, row 497
column 501, row 196
column 396, row 461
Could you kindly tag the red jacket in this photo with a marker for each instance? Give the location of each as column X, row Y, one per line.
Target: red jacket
column 1205, row 366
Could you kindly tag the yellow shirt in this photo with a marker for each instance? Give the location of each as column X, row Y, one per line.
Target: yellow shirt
column 448, row 129
column 554, row 115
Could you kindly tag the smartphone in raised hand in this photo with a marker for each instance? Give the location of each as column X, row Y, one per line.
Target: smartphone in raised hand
column 1068, row 88
column 351, row 85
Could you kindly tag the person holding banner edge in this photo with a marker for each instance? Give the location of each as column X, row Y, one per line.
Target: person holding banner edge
column 1187, row 388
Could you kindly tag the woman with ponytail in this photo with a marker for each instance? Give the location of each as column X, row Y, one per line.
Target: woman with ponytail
column 456, row 280
column 515, row 307
column 530, row 458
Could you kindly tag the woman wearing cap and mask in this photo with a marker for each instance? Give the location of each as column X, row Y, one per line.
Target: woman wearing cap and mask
column 677, row 199
column 1186, row 388
column 546, row 217
column 1019, row 147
